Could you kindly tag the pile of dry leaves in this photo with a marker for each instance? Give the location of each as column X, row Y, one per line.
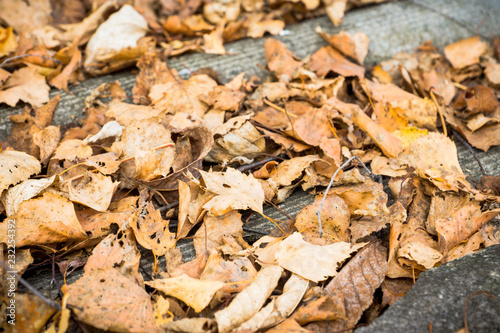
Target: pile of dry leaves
column 202, row 154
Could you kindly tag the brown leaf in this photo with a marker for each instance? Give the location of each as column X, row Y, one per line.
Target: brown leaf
column 28, row 189
column 47, row 141
column 223, row 98
column 368, row 198
column 32, row 313
column 234, row 190
column 61, row 80
column 354, row 45
column 217, row 230
column 43, row 220
column 248, row 302
column 280, row 60
column 236, row 273
column 16, row 167
column 328, row 59
column 182, row 96
column 280, row 308
column 25, row 15
column 108, row 300
column 465, row 52
column 334, row 218
column 356, row 284
column 94, row 190
column 313, row 262
column 148, row 143
column 151, row 230
column 394, row 289
column 27, row 85
column 390, row 145
column 195, row 293
column 368, row 225
column 117, row 251
column 462, row 223
column 213, row 41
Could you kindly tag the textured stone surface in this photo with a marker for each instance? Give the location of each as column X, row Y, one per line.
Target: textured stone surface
column 439, row 297
column 392, row 27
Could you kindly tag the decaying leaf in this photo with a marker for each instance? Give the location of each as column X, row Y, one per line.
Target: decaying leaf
column 465, row 52
column 355, row 284
column 108, row 300
column 280, row 308
column 44, row 220
column 26, row 85
column 234, row 190
column 28, row 189
column 313, row 262
column 248, row 302
column 335, row 217
column 195, row 293
column 94, row 190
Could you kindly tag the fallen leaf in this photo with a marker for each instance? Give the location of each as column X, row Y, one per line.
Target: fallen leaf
column 195, row 293
column 8, row 42
column 223, row 98
column 28, row 189
column 117, row 251
column 33, row 313
column 213, row 41
column 248, row 302
column 236, row 273
column 15, row 167
column 47, row 141
column 44, row 220
column 328, row 59
column 355, row 284
column 106, row 299
column 313, row 262
column 354, row 45
column 94, row 190
column 234, row 190
column 394, row 289
column 27, row 15
column 26, row 85
column 182, row 96
column 465, row 52
column 151, row 230
column 280, row 308
column 335, row 217
column 280, row 60
column 121, row 31
column 216, row 230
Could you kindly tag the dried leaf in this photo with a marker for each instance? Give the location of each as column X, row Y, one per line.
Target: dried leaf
column 313, row 262
column 328, row 59
column 94, row 190
column 27, row 85
column 355, row 284
column 182, row 96
column 280, row 60
column 43, row 220
column 234, row 190
column 280, row 308
column 195, row 293
column 28, row 189
column 151, row 230
column 465, row 52
column 121, row 31
column 248, row 302
column 354, row 45
column 335, row 217
column 108, row 300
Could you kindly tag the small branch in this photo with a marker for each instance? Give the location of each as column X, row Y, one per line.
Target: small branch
column 29, row 55
column 330, row 185
column 258, row 164
column 469, row 148
column 30, row 287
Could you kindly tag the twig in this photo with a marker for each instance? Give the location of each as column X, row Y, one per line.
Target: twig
column 280, row 210
column 258, row 164
column 330, row 185
column 30, row 287
column 256, row 231
column 169, row 206
column 466, row 325
column 469, row 148
column 30, row 55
